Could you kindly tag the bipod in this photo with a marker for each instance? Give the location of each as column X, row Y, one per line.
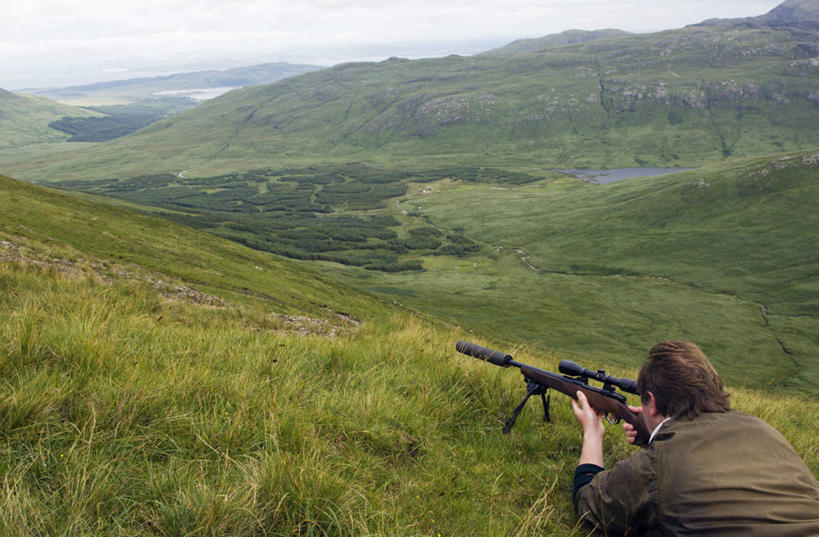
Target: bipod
column 532, row 388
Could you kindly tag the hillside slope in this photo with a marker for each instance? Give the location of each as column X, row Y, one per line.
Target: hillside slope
column 24, row 120
column 723, row 255
column 138, row 406
column 116, row 239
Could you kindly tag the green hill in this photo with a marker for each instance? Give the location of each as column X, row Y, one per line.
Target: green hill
column 157, row 381
column 117, row 239
column 113, row 109
column 675, row 98
column 25, row 119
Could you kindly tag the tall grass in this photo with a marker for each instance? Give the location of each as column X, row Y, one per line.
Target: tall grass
column 124, row 413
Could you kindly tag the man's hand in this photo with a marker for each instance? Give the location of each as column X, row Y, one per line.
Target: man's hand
column 588, row 417
column 593, row 430
column 631, row 432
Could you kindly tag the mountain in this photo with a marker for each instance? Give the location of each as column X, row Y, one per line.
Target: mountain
column 799, row 13
column 25, row 119
column 674, row 98
column 114, row 109
column 569, row 37
column 791, row 13
column 180, row 84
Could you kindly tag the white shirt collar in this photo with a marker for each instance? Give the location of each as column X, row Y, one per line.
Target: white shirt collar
column 657, row 430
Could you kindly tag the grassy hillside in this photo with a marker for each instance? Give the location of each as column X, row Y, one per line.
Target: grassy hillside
column 107, row 110
column 723, row 255
column 177, row 252
column 152, row 386
column 676, row 98
column 119, row 120
column 25, row 119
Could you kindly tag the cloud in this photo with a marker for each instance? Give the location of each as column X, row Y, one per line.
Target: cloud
column 41, row 32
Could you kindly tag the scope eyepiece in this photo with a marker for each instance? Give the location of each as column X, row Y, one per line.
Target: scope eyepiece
column 568, row 367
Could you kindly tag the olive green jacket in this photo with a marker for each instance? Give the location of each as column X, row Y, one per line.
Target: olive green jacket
column 726, row 474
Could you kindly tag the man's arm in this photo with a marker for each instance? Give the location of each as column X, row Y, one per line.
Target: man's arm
column 622, row 499
column 593, row 431
column 591, row 454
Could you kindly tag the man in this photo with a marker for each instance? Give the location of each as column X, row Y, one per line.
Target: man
column 708, row 470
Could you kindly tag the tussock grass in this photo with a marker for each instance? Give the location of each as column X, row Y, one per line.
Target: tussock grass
column 123, row 413
column 117, row 420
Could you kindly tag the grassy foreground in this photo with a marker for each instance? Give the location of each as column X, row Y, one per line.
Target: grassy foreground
column 129, row 407
column 124, row 413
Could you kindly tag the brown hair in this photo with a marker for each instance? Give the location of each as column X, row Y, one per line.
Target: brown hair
column 683, row 381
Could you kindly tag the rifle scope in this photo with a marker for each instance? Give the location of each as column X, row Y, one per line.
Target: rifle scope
column 576, row 370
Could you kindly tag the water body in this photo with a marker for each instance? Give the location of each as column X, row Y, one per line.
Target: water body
column 603, row 177
column 197, row 94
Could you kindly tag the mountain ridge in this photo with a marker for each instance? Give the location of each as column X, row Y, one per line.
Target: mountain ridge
column 567, row 37
column 675, row 98
column 147, row 87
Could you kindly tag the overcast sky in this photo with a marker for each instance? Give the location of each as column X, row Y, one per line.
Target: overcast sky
column 61, row 42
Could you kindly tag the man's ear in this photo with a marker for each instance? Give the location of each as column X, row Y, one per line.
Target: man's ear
column 652, row 405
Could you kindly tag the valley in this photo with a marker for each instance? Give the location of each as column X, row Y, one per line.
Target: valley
column 436, row 183
column 593, row 271
column 239, row 317
column 166, row 380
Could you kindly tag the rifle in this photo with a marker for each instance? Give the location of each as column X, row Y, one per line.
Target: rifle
column 575, row 378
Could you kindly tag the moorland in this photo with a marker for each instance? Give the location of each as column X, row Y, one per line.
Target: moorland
column 241, row 318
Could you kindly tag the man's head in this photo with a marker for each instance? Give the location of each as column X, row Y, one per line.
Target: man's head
column 682, row 380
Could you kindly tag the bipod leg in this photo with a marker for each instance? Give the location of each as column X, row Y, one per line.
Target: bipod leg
column 546, row 398
column 532, row 388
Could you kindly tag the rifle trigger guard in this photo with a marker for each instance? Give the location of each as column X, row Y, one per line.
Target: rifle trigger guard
column 613, row 420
